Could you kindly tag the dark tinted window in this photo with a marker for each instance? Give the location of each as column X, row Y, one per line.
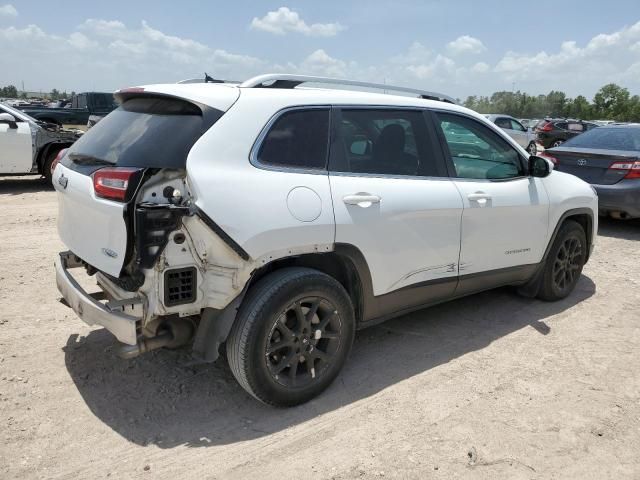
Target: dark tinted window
column 476, row 151
column 299, row 139
column 144, row 132
column 503, row 122
column 607, row 138
column 561, row 125
column 386, row 142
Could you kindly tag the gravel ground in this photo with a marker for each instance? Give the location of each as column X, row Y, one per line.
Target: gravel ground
column 490, row 386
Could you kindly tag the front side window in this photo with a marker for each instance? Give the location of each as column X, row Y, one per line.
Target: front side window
column 515, row 125
column 477, row 152
column 383, row 142
column 297, row 139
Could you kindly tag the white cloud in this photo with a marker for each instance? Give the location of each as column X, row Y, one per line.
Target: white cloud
column 466, row 44
column 481, row 67
column 605, row 58
column 107, row 55
column 285, row 20
column 8, row 11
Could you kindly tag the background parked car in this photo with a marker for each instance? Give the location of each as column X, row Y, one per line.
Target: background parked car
column 553, row 132
column 608, row 158
column 515, row 130
column 529, row 123
column 28, row 145
column 82, row 107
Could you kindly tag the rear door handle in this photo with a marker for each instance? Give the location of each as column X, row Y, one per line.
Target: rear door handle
column 363, row 200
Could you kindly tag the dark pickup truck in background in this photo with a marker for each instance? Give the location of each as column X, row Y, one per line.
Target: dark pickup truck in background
column 83, row 105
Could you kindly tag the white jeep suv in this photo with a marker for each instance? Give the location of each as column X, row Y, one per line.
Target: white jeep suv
column 277, row 219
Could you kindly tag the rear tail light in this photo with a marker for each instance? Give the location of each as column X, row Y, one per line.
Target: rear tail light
column 633, row 168
column 117, row 183
column 56, row 160
column 547, row 127
column 549, row 157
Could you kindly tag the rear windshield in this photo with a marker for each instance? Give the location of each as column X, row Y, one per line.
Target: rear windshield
column 607, row 138
column 146, row 132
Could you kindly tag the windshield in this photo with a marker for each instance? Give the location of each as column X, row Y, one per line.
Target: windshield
column 608, row 138
column 146, row 132
column 17, row 113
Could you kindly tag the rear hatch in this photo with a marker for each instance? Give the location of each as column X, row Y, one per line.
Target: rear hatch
column 99, row 176
column 592, row 165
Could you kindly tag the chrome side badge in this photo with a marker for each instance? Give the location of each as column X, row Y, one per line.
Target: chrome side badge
column 582, row 162
column 63, row 181
column 109, row 253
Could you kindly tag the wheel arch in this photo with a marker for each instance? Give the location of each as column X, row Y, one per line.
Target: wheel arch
column 44, row 152
column 584, row 217
column 338, row 264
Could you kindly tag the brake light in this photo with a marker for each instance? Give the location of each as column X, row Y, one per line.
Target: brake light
column 549, row 157
column 114, row 183
column 547, row 127
column 56, row 160
column 633, row 168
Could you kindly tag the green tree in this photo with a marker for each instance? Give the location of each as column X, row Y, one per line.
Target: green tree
column 611, row 102
column 55, row 94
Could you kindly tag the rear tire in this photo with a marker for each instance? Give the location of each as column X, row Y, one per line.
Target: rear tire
column 292, row 336
column 557, row 143
column 564, row 263
column 532, row 148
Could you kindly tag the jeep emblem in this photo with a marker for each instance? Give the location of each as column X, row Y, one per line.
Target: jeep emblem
column 109, row 253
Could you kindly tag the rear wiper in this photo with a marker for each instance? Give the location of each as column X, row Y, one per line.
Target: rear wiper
column 81, row 159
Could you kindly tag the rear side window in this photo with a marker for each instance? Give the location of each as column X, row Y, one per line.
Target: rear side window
column 383, row 142
column 146, row 132
column 503, row 123
column 297, row 139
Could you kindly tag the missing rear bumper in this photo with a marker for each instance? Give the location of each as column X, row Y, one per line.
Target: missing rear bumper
column 109, row 315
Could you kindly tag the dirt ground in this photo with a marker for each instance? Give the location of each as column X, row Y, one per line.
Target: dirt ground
column 490, row 386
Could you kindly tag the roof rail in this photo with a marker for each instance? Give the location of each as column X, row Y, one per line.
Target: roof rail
column 277, row 80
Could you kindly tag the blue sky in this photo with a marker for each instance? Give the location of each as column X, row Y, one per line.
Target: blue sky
column 461, row 47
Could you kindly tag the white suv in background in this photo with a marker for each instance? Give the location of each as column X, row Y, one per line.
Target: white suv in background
column 277, row 219
column 523, row 136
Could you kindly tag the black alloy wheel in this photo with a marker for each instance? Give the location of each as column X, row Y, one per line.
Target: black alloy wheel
column 303, row 342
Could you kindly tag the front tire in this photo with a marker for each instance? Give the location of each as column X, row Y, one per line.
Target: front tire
column 532, row 149
column 557, row 143
column 564, row 263
column 47, row 172
column 292, row 336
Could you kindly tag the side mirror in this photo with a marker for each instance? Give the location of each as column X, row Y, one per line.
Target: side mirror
column 10, row 119
column 539, row 167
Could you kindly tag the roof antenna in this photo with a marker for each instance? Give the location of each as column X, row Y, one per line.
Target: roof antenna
column 208, row 79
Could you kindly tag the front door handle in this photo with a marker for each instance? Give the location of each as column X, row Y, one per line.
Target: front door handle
column 363, row 200
column 480, row 197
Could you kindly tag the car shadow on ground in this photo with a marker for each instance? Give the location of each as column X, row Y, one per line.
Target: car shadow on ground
column 161, row 399
column 622, row 229
column 20, row 185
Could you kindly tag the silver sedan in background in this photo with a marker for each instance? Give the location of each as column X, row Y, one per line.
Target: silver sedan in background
column 515, row 130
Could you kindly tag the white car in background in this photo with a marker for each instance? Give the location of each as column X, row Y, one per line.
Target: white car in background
column 525, row 138
column 278, row 220
column 30, row 146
